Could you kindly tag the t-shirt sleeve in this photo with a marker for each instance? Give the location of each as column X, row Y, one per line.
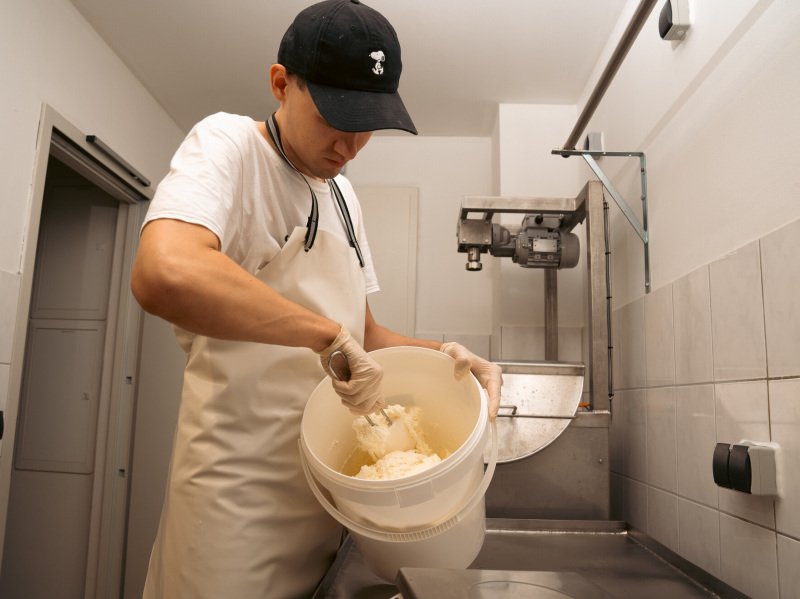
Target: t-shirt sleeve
column 370, row 277
column 203, row 181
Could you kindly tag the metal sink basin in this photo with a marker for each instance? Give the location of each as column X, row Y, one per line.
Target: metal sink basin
column 584, row 559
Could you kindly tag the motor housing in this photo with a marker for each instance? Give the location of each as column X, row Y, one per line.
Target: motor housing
column 536, row 243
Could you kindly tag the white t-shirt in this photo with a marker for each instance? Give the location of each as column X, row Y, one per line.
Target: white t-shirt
column 227, row 177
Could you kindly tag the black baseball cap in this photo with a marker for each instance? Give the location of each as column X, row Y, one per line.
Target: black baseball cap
column 349, row 56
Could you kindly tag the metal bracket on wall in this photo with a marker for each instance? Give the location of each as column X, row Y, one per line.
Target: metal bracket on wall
column 640, row 228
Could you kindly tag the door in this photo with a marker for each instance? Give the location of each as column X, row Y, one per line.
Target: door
column 53, row 477
column 64, row 461
column 390, row 217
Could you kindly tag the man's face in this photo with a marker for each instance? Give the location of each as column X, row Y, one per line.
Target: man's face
column 313, row 146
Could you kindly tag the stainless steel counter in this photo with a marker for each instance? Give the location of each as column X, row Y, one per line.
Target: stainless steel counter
column 600, row 559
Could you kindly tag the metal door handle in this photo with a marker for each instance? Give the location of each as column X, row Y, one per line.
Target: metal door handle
column 514, row 414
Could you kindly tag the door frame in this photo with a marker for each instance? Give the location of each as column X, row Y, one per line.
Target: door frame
column 60, row 138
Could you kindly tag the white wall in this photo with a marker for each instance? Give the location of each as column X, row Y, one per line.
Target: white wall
column 716, row 117
column 450, row 300
column 516, row 161
column 526, row 136
column 710, row 355
column 48, row 53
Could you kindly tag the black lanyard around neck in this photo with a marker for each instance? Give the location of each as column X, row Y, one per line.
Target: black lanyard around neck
column 313, row 217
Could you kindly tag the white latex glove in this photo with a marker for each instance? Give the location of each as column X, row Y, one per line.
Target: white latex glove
column 362, row 393
column 489, row 375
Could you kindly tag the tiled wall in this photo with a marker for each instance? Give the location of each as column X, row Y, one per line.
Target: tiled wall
column 713, row 357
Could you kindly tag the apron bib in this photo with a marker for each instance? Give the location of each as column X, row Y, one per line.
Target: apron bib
column 239, row 520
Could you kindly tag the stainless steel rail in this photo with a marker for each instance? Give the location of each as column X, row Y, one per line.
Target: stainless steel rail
column 625, row 43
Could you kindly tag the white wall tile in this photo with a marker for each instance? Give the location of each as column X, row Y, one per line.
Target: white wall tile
column 737, row 316
column 691, row 298
column 699, row 535
column 662, row 452
column 616, row 352
column 749, row 560
column 635, row 434
column 616, row 433
column 570, row 344
column 696, row 439
column 662, row 517
column 521, row 342
column 742, row 414
column 477, row 344
column 527, row 342
column 616, row 483
column 633, row 366
column 781, row 279
column 9, row 298
column 784, row 407
column 659, row 337
column 634, row 503
column 430, row 336
column 789, row 573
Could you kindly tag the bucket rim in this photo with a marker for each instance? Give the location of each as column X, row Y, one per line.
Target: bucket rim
column 419, row 534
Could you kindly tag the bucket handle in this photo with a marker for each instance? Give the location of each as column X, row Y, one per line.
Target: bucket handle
column 400, row 537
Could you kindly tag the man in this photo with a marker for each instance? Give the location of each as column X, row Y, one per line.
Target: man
column 254, row 249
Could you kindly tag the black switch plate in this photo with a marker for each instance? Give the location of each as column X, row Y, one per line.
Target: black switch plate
column 739, row 469
column 720, row 465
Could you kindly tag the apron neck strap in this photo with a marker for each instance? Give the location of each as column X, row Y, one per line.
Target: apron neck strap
column 313, row 218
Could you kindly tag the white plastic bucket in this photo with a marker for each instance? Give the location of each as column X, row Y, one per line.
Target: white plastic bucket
column 435, row 518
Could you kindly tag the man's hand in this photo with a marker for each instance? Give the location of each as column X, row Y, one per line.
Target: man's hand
column 489, row 375
column 362, row 392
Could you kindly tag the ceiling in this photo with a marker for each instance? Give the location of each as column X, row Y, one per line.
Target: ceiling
column 461, row 58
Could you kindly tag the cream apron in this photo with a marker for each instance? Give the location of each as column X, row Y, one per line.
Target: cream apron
column 239, row 521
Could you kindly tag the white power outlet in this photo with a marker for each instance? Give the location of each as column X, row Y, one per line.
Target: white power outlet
column 763, row 468
column 674, row 20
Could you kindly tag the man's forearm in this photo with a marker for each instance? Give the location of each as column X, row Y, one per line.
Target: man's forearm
column 205, row 292
column 379, row 337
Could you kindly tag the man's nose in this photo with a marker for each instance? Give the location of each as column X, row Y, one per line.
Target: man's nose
column 347, row 145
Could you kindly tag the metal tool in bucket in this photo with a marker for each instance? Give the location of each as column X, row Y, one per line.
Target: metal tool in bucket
column 398, row 438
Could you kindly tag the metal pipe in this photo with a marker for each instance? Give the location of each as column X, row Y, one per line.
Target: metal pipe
column 625, row 43
column 550, row 314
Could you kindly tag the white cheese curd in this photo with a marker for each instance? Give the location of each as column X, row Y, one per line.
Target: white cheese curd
column 372, row 441
column 398, row 464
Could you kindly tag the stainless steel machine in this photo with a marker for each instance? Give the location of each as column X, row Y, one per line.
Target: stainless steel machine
column 553, row 455
column 548, row 529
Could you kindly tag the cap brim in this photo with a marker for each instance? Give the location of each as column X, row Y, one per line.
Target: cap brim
column 353, row 110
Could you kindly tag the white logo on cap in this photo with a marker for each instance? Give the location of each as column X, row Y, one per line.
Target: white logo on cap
column 379, row 57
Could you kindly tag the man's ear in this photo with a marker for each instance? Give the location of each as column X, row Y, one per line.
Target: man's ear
column 278, row 79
